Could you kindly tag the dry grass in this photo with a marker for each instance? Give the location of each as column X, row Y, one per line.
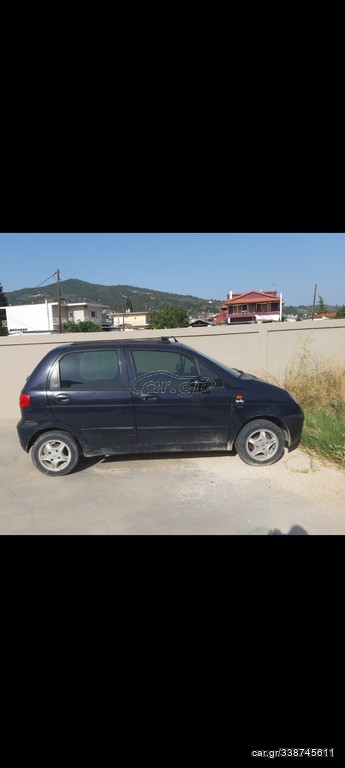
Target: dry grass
column 319, row 388
column 316, row 384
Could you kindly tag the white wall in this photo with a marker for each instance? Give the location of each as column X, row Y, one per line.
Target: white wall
column 40, row 317
column 79, row 315
column 84, row 313
column 31, row 317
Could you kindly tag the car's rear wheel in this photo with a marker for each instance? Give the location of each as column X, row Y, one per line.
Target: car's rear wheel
column 260, row 443
column 55, row 453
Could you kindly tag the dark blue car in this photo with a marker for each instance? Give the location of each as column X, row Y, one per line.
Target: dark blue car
column 117, row 397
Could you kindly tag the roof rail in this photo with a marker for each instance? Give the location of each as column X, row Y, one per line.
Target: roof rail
column 166, row 339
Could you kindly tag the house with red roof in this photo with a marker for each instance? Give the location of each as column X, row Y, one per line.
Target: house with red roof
column 250, row 307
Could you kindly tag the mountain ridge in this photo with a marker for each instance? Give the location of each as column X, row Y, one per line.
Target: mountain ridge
column 114, row 296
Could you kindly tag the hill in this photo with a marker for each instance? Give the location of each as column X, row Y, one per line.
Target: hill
column 305, row 310
column 113, row 296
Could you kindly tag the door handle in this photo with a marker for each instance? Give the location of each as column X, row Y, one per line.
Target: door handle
column 62, row 399
column 152, row 398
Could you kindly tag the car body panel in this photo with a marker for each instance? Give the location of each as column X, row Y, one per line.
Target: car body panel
column 202, row 407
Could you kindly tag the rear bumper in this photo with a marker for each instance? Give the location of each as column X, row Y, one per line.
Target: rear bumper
column 26, row 430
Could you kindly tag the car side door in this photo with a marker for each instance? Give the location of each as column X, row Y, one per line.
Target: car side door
column 178, row 404
column 88, row 394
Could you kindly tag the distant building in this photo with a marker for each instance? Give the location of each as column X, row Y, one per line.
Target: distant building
column 138, row 320
column 200, row 323
column 250, row 307
column 325, row 316
column 44, row 318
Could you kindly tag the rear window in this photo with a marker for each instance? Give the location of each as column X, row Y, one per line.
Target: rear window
column 88, row 370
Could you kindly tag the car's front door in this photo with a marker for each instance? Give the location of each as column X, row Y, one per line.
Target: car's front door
column 178, row 404
column 89, row 394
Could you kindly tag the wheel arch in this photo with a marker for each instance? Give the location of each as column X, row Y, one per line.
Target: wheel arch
column 54, row 428
column 266, row 417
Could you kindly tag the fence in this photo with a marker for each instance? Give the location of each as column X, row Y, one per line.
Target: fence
column 255, row 348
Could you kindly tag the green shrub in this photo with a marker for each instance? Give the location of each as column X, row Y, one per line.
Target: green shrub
column 324, row 434
column 84, row 326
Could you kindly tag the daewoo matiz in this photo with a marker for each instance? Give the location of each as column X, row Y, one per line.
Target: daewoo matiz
column 110, row 397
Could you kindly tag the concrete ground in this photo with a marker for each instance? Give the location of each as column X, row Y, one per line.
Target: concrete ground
column 169, row 495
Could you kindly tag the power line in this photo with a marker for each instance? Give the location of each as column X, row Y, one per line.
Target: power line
column 44, row 281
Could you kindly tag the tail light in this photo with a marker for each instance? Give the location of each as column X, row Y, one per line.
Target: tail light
column 24, row 400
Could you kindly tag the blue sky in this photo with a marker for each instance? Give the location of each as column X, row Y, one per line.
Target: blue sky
column 204, row 264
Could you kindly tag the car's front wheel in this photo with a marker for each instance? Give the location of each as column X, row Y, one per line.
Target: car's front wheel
column 55, row 453
column 260, row 443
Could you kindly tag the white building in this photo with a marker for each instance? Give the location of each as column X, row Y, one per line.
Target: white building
column 44, row 318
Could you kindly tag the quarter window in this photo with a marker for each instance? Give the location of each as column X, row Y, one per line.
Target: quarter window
column 210, row 374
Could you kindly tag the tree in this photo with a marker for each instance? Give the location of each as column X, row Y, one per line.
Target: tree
column 322, row 309
column 340, row 312
column 3, row 303
column 128, row 305
column 84, row 326
column 169, row 317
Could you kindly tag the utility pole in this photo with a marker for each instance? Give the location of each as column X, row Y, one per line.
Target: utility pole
column 124, row 304
column 312, row 317
column 59, row 298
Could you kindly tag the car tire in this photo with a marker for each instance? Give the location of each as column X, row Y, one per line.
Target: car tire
column 260, row 443
column 55, row 453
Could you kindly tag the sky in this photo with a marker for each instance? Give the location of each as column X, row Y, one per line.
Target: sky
column 202, row 264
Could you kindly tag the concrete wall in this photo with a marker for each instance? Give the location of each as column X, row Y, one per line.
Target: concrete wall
column 253, row 348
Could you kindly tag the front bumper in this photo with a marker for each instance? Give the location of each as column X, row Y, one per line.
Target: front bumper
column 295, row 426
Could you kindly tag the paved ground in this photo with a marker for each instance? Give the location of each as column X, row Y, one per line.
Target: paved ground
column 176, row 495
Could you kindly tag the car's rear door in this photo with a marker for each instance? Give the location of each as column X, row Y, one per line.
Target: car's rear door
column 89, row 394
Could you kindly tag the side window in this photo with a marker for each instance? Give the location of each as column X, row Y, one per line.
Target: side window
column 153, row 361
column 89, row 370
column 209, row 373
